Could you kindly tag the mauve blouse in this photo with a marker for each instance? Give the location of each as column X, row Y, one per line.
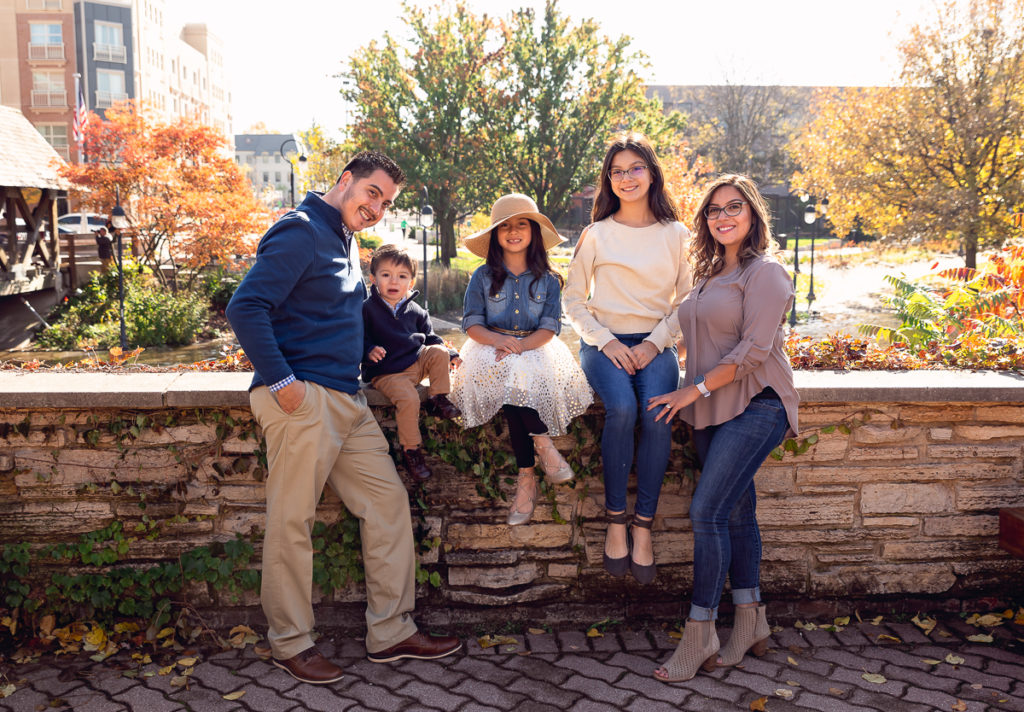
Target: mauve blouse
column 738, row 318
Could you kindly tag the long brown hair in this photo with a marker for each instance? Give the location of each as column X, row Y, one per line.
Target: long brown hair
column 706, row 254
column 661, row 203
column 536, row 260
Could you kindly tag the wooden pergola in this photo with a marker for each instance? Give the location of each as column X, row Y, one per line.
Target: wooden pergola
column 29, row 243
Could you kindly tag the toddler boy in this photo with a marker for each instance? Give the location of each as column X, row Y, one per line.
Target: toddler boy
column 400, row 348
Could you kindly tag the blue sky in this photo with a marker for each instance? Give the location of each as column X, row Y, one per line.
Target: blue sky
column 282, row 56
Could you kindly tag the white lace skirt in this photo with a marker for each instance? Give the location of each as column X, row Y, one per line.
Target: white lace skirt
column 547, row 379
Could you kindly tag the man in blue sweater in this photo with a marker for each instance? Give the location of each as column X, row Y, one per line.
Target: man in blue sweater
column 298, row 316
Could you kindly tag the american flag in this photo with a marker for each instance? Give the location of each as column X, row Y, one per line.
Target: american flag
column 81, row 118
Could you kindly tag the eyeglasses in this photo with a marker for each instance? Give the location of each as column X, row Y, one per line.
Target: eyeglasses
column 731, row 210
column 636, row 171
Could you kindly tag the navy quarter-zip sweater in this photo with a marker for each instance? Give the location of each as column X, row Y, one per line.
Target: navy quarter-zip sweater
column 299, row 309
column 403, row 335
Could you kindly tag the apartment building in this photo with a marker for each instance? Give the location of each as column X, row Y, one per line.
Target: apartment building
column 106, row 57
column 264, row 158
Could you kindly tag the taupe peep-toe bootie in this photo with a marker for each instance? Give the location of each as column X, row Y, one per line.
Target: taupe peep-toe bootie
column 698, row 648
column 750, row 632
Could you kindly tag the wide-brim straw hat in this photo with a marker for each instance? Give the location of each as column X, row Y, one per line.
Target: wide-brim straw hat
column 514, row 205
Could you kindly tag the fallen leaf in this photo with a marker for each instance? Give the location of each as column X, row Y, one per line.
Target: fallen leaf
column 954, row 659
column 234, row 695
column 8, row 690
column 945, row 634
column 990, row 620
column 805, row 626
column 874, row 677
column 784, row 693
column 489, row 641
column 188, row 662
column 836, row 691
column 877, row 620
column 929, row 661
column 179, row 681
column 980, row 638
column 675, row 635
column 792, row 683
column 856, row 613
column 46, row 624
column 1008, row 613
column 758, row 705
column 958, row 706
column 926, row 624
column 164, row 633
column 95, row 639
column 126, row 627
column 791, row 661
column 893, row 638
column 166, row 670
column 976, row 686
column 536, row 631
column 843, row 620
column 594, row 633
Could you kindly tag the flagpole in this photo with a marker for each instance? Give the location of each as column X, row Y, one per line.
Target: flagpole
column 77, row 121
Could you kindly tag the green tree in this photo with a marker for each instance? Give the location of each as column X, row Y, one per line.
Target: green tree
column 325, row 159
column 429, row 104
column 567, row 88
column 943, row 154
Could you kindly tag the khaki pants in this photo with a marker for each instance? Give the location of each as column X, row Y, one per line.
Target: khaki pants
column 400, row 388
column 332, row 437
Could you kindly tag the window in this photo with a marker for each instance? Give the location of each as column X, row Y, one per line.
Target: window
column 46, row 40
column 109, row 42
column 43, row 4
column 277, row 176
column 277, row 158
column 266, row 177
column 48, row 89
column 57, row 136
column 109, row 88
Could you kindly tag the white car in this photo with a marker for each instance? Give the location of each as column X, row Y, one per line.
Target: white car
column 80, row 223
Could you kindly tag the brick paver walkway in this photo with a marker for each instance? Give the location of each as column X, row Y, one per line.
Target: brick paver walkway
column 568, row 671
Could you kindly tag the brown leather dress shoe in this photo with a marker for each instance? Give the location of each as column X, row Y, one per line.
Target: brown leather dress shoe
column 440, row 406
column 416, row 464
column 420, row 646
column 310, row 666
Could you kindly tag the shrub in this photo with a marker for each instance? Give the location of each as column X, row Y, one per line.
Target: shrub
column 219, row 285
column 369, row 240
column 446, row 288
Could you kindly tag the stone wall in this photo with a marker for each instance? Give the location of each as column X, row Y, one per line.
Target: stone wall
column 903, row 505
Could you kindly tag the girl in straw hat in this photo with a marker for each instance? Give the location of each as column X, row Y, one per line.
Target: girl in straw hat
column 512, row 361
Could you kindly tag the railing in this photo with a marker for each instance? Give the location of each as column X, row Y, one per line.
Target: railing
column 46, row 51
column 106, row 99
column 47, row 97
column 109, row 52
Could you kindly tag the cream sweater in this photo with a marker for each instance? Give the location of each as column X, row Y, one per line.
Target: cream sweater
column 628, row 280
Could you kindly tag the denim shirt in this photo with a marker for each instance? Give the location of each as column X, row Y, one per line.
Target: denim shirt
column 513, row 308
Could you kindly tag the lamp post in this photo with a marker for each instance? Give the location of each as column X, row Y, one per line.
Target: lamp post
column 426, row 219
column 812, row 216
column 291, row 166
column 119, row 221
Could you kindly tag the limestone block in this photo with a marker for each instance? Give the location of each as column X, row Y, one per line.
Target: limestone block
column 237, row 446
column 6, row 462
column 816, row 415
column 901, row 473
column 42, row 524
column 493, row 577
column 682, row 524
column 465, row 557
column 828, row 489
column 200, row 509
column 829, row 448
column 534, row 593
column 784, row 577
column 988, row 432
column 498, row 536
column 962, row 525
column 1000, row 413
column 947, row 412
column 147, row 436
column 240, row 521
column 804, row 510
column 672, row 505
column 245, row 494
column 669, row 547
column 774, row 479
column 872, row 433
column 891, row 521
column 888, row 454
column 193, row 433
column 974, row 451
column 951, row 549
column 855, row 556
column 570, row 571
column 981, row 495
column 906, row 498
column 788, row 535
column 878, row 580
column 784, row 553
column 940, row 433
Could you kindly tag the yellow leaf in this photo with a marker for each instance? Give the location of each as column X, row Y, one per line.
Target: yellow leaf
column 926, row 624
column 758, row 705
column 126, row 627
column 954, row 659
column 234, row 695
column 167, row 670
column 784, row 693
column 179, row 681
column 791, row 661
column 675, row 635
column 842, row 620
column 945, row 634
column 240, row 629
column 188, row 662
column 980, row 638
column 990, row 621
column 877, row 620
column 805, row 626
column 1008, row 613
column 536, row 631
column 594, row 633
column 46, row 624
column 874, row 677
column 95, row 639
column 959, row 706
column 164, row 633
column 10, row 623
column 8, row 690
column 792, row 683
column 930, row 661
column 856, row 613
column 893, row 638
column 489, row 641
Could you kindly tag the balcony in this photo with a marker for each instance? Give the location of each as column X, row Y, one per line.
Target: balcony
column 52, row 98
column 106, row 99
column 46, row 51
column 109, row 53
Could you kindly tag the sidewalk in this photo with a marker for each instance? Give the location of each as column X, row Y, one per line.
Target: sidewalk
column 804, row 669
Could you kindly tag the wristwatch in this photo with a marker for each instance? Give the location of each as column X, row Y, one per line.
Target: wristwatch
column 699, row 383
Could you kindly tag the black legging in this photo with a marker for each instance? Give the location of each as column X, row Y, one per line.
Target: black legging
column 522, row 424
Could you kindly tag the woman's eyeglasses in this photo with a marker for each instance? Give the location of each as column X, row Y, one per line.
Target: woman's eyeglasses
column 617, row 175
column 731, row 210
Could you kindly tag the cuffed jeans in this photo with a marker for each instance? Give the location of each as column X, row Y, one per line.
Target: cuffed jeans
column 625, row 400
column 726, row 538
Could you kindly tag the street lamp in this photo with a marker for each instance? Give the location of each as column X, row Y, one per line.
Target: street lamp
column 291, row 166
column 119, row 222
column 809, row 217
column 426, row 219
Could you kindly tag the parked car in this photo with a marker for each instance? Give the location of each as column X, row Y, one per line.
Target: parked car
column 80, row 223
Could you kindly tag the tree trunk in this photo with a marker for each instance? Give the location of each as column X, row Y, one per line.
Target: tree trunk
column 971, row 250
column 449, row 248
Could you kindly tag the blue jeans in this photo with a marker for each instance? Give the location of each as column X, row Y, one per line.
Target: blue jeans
column 726, row 539
column 625, row 400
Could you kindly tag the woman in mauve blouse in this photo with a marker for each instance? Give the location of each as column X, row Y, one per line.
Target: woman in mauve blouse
column 738, row 395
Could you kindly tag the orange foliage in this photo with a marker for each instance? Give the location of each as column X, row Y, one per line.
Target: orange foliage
column 685, row 176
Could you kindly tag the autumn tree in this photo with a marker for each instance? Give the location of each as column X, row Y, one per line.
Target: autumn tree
column 325, row 159
column 567, row 88
column 686, row 173
column 189, row 203
column 429, row 103
column 941, row 155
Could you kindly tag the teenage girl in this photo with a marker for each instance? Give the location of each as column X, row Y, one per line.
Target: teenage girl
column 512, row 360
column 625, row 282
